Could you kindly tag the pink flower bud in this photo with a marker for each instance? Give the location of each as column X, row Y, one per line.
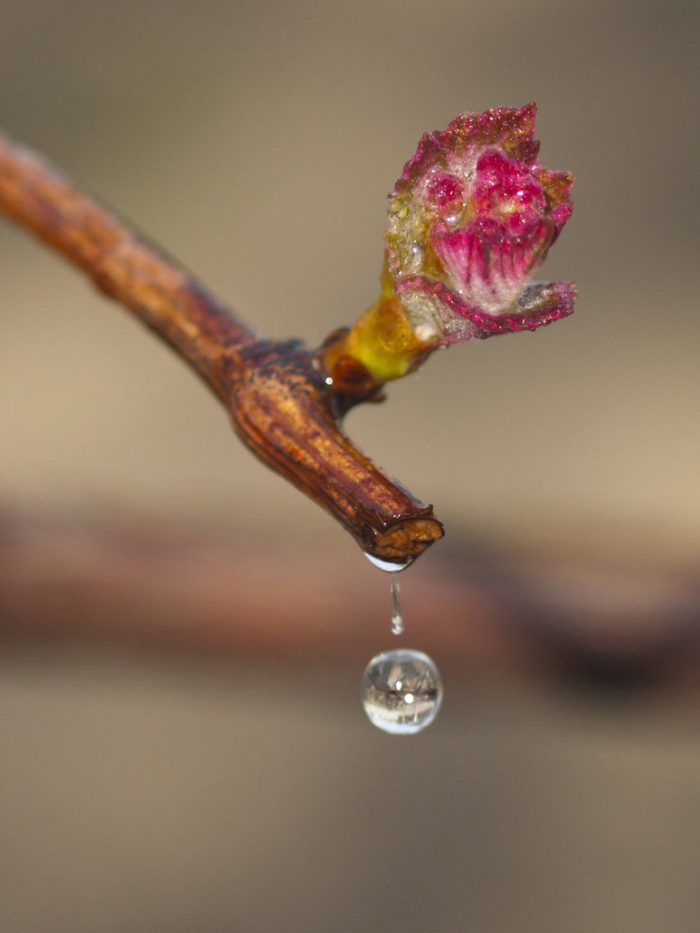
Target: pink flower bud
column 470, row 218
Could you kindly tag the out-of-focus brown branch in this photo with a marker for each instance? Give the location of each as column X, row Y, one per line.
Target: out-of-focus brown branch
column 506, row 619
column 283, row 405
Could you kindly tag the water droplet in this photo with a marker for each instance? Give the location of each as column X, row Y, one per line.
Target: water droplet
column 388, row 566
column 415, row 258
column 401, row 691
column 397, row 626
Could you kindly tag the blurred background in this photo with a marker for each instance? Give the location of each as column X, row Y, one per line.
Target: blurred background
column 183, row 633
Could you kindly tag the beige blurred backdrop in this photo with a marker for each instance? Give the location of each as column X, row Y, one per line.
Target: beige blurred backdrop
column 257, row 142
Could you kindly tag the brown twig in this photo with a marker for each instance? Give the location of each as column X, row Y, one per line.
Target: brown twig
column 283, row 404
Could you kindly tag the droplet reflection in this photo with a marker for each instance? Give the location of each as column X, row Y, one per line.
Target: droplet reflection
column 401, row 691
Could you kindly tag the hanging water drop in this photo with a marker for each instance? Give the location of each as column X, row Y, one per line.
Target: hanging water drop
column 388, row 566
column 401, row 691
column 397, row 626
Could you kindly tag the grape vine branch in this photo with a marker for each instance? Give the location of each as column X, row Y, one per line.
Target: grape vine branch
column 469, row 219
column 276, row 393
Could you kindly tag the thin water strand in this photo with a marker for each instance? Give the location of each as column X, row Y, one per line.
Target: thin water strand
column 397, row 624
